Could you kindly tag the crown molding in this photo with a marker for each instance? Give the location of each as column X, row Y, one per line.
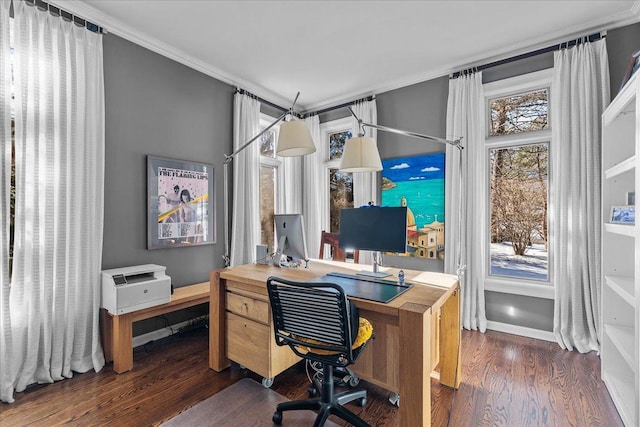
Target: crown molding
column 116, row 27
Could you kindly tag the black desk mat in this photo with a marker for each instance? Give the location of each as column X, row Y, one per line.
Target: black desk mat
column 378, row 290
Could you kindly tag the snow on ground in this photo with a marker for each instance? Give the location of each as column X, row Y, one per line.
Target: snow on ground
column 532, row 265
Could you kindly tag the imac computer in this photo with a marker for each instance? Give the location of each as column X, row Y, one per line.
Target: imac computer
column 290, row 238
column 374, row 228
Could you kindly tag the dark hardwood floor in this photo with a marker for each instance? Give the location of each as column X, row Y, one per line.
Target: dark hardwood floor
column 507, row 380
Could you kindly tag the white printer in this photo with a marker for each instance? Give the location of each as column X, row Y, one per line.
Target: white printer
column 129, row 289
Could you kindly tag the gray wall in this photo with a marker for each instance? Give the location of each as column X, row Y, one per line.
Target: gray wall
column 157, row 106
column 621, row 44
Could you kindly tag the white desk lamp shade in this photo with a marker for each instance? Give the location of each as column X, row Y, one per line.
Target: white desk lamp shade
column 294, row 139
column 360, row 155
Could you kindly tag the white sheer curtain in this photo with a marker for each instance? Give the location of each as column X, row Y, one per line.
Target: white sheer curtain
column 580, row 93
column 465, row 212
column 54, row 299
column 365, row 184
column 313, row 208
column 6, row 376
column 245, row 215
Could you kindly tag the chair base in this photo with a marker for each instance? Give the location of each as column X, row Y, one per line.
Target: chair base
column 327, row 404
column 324, row 409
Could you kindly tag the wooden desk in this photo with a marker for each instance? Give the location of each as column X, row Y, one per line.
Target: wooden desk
column 117, row 334
column 399, row 359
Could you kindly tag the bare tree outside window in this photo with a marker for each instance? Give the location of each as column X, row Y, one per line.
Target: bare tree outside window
column 340, row 183
column 267, row 144
column 12, row 188
column 12, row 194
column 336, row 143
column 267, row 189
column 519, row 113
column 267, row 193
column 341, row 196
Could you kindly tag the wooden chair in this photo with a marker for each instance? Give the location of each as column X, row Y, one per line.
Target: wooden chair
column 337, row 253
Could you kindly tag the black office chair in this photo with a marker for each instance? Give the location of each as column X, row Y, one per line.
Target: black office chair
column 320, row 324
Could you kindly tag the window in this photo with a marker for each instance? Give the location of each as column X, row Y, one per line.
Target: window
column 12, row 191
column 517, row 142
column 339, row 185
column 12, row 188
column 524, row 112
column 269, row 172
column 340, row 196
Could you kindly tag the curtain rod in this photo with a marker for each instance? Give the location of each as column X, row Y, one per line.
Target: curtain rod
column 56, row 11
column 337, row 107
column 591, row 38
column 309, row 114
column 262, row 100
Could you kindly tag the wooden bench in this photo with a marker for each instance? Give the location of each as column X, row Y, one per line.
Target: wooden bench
column 117, row 334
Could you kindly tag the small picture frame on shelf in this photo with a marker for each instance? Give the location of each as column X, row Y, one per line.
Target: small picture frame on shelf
column 623, row 215
column 631, row 198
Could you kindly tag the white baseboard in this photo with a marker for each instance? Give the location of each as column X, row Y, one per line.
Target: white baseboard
column 521, row 330
column 161, row 333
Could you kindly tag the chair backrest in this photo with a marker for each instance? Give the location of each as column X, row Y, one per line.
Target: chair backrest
column 314, row 316
column 337, row 253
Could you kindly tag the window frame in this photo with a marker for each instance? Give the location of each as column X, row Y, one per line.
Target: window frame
column 327, row 128
column 501, row 88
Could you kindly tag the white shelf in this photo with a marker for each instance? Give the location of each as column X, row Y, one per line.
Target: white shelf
column 620, row 296
column 622, row 229
column 623, row 103
column 622, row 337
column 620, row 168
column 621, row 392
column 623, row 286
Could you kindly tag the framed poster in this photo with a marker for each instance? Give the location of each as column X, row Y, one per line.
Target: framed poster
column 417, row 182
column 180, row 209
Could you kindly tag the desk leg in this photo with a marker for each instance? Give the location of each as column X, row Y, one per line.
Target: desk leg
column 450, row 336
column 217, row 343
column 106, row 325
column 122, row 343
column 415, row 365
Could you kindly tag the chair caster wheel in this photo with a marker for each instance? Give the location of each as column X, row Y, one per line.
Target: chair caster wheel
column 354, row 381
column 267, row 382
column 277, row 418
column 312, row 391
column 395, row 399
column 362, row 401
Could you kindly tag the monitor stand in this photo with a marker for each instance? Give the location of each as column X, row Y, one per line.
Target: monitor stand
column 375, row 272
column 277, row 259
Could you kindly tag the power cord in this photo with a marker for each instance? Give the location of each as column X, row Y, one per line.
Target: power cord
column 316, row 367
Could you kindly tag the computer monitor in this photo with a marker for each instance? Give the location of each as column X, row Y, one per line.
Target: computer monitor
column 374, row 228
column 290, row 237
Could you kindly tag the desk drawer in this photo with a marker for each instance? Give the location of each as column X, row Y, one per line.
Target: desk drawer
column 248, row 343
column 248, row 307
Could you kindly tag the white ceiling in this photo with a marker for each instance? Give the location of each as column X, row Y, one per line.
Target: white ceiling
column 337, row 51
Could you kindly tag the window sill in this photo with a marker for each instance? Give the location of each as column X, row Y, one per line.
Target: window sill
column 519, row 287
